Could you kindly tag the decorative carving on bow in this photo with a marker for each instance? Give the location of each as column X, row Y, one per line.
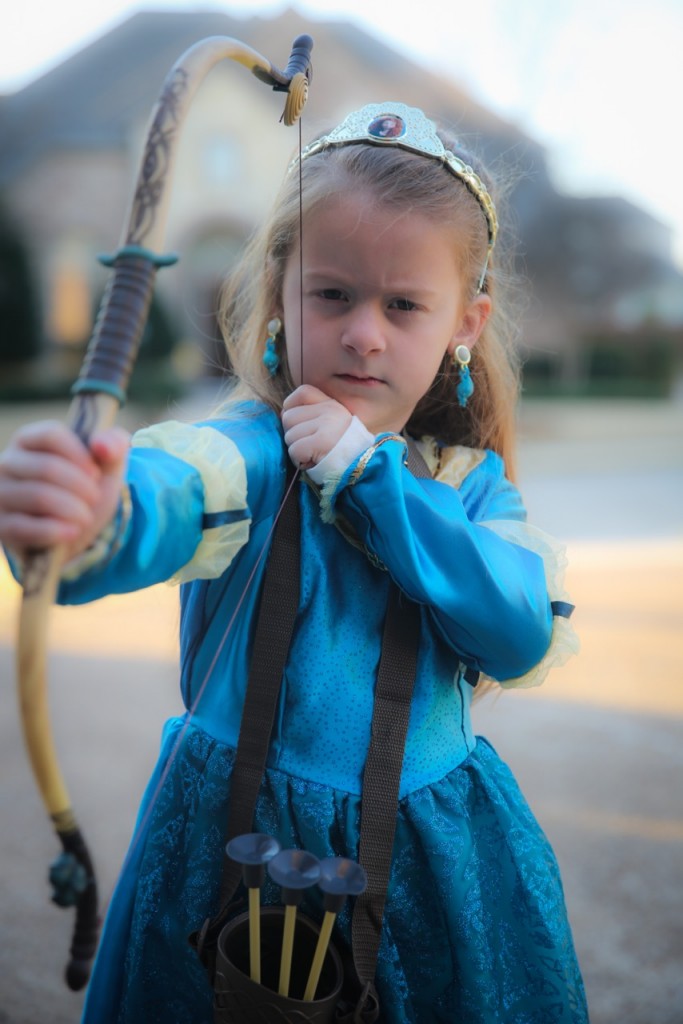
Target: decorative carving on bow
column 98, row 393
column 156, row 160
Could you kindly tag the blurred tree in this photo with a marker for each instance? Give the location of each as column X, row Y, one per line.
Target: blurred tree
column 160, row 336
column 19, row 316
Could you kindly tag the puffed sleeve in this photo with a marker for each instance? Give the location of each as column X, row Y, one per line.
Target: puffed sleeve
column 564, row 642
column 487, row 595
column 187, row 518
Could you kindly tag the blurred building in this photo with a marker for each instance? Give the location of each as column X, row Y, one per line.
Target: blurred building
column 71, row 142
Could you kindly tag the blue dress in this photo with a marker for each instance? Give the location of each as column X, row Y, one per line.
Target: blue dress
column 475, row 928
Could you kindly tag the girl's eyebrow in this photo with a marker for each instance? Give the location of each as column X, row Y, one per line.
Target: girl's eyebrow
column 315, row 275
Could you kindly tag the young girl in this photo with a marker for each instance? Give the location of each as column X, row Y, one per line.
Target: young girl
column 349, row 336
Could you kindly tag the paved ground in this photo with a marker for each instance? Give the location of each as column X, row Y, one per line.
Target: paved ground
column 598, row 751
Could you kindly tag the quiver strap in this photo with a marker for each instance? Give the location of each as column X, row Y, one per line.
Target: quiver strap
column 277, row 611
column 381, row 781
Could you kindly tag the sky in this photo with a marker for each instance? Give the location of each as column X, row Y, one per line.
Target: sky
column 599, row 83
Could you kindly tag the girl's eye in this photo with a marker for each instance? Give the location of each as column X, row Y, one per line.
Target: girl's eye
column 333, row 294
column 403, row 304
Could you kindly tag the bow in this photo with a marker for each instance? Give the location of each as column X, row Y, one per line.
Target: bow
column 98, row 393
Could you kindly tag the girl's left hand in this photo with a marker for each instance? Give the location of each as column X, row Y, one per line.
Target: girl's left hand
column 313, row 424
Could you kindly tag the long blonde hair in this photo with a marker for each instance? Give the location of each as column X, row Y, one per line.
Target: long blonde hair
column 411, row 183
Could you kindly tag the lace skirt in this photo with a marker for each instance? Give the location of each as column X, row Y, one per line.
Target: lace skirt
column 475, row 928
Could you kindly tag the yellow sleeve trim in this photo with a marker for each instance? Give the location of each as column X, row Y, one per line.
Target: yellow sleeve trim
column 221, row 467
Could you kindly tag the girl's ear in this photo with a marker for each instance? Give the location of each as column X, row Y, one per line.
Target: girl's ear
column 472, row 323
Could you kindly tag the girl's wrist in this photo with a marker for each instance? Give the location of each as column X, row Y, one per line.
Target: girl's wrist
column 106, row 544
column 353, row 442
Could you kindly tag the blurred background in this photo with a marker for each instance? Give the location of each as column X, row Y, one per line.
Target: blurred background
column 572, row 105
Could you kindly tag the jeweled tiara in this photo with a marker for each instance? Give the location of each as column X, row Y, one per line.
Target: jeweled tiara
column 395, row 124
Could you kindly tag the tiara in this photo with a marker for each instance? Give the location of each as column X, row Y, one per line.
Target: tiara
column 395, row 124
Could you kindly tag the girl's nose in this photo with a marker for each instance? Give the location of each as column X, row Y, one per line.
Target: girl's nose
column 364, row 331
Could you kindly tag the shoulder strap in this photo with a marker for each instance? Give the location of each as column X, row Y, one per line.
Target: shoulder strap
column 416, row 463
column 381, row 780
column 382, row 776
column 274, row 625
column 277, row 612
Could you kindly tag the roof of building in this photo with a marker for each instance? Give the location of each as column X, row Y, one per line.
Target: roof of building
column 91, row 99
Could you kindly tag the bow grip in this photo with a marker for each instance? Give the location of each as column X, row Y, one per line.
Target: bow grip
column 114, row 345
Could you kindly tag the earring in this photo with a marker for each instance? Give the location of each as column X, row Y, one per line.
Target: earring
column 465, row 388
column 271, row 358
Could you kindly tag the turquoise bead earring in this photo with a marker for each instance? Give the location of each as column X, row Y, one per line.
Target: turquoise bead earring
column 465, row 388
column 271, row 357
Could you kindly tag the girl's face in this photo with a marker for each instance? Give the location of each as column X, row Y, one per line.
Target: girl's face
column 382, row 301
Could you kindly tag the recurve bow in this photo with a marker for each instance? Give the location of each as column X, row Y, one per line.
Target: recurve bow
column 98, row 393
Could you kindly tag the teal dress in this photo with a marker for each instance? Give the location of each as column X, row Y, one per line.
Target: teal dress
column 475, row 928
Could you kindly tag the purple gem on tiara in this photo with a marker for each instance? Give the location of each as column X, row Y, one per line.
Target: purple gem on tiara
column 387, row 126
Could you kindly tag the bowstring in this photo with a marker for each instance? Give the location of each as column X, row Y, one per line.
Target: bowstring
column 301, row 258
column 141, row 825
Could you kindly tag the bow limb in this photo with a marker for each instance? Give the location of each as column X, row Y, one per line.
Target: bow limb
column 98, row 393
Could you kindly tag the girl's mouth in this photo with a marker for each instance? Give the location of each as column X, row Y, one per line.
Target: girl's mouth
column 360, row 380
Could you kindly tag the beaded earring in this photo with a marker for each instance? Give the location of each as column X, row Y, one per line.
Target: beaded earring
column 465, row 388
column 271, row 358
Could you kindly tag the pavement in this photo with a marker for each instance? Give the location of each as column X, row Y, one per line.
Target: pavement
column 598, row 750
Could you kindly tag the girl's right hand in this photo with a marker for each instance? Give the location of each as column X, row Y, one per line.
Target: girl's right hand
column 55, row 491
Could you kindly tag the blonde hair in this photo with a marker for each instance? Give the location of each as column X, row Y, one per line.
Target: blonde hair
column 412, row 183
